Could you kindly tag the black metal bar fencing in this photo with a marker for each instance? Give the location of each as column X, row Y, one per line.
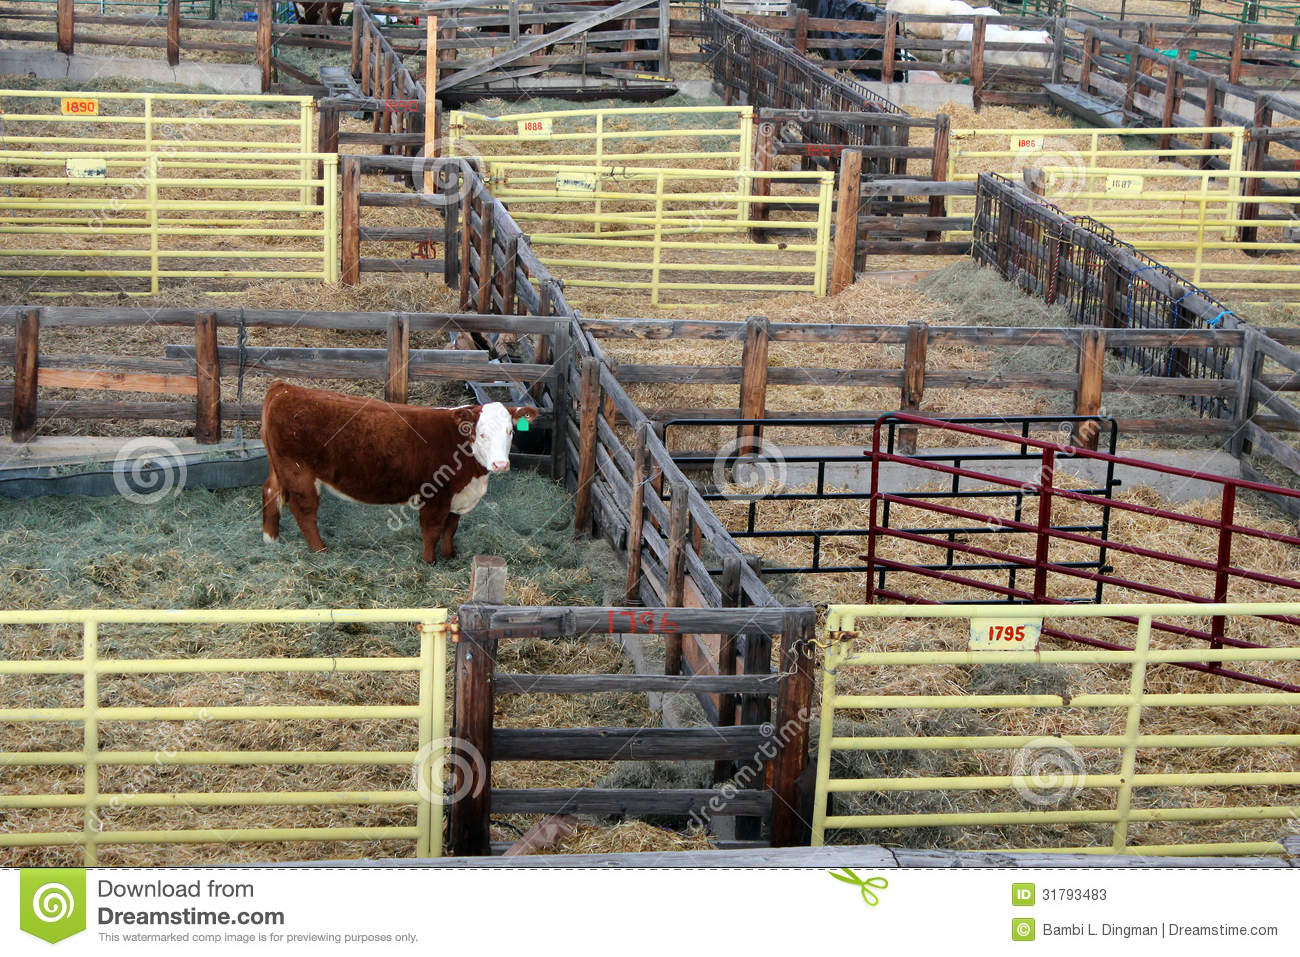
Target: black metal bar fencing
column 1078, row 263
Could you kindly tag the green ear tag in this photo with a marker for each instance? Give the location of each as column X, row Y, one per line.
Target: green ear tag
column 521, row 425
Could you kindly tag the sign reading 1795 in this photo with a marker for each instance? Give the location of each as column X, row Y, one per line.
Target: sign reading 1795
column 1005, row 634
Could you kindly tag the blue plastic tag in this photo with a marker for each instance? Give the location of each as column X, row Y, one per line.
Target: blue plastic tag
column 521, row 425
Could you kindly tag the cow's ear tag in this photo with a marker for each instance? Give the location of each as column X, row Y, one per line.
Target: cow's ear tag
column 521, row 425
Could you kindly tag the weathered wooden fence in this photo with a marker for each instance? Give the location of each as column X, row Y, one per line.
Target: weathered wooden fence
column 744, row 750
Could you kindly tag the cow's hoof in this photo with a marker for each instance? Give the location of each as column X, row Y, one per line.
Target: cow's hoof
column 269, row 539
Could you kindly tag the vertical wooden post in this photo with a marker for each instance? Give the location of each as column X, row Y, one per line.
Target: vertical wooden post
column 486, row 255
column 1248, row 365
column 889, row 55
column 636, row 516
column 383, row 117
column 207, row 373
column 1058, row 51
column 801, row 31
column 914, row 356
column 265, row 23
column 397, row 367
column 65, row 26
column 350, row 246
column 27, row 336
column 560, row 401
column 471, row 199
column 1087, row 395
column 753, row 381
column 678, row 529
column 1234, row 64
column 587, row 436
column 173, row 32
column 729, row 586
column 939, row 171
column 356, row 42
column 1173, row 84
column 846, row 221
column 764, row 155
column 473, row 707
column 508, row 276
column 327, row 142
column 1256, row 160
column 449, row 185
column 665, row 37
column 1085, row 61
column 367, row 76
column 1211, row 111
column 977, row 61
column 431, row 131
column 793, row 714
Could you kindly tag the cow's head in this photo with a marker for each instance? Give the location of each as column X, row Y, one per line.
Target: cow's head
column 493, row 428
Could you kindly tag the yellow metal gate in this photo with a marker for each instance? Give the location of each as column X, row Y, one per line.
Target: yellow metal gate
column 1083, row 750
column 105, row 715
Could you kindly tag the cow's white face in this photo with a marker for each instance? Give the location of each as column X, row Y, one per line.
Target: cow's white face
column 492, row 434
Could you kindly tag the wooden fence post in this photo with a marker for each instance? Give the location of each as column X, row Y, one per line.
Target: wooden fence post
column 265, row 23
column 914, row 355
column 732, row 597
column 1173, row 84
column 449, row 185
column 939, row 171
column 587, row 436
column 1085, row 61
column 764, row 154
column 207, row 372
column 1058, row 51
column 470, row 199
column 890, row 52
column 486, row 254
column 1256, row 161
column 846, row 221
column 397, row 366
column 431, row 131
column 1087, row 396
column 509, row 270
column 474, row 702
column 173, row 32
column 350, row 246
column 66, row 16
column 801, row 31
column 977, row 62
column 327, row 142
column 27, row 337
column 753, row 381
column 1250, row 361
column 1211, row 111
column 678, row 532
column 355, row 68
column 636, row 516
column 793, row 714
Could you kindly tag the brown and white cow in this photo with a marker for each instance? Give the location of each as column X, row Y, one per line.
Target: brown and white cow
column 380, row 453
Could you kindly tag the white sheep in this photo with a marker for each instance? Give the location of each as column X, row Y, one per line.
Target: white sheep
column 927, row 8
column 1034, row 46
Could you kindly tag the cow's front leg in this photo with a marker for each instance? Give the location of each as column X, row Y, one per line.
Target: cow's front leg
column 449, row 536
column 433, row 518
